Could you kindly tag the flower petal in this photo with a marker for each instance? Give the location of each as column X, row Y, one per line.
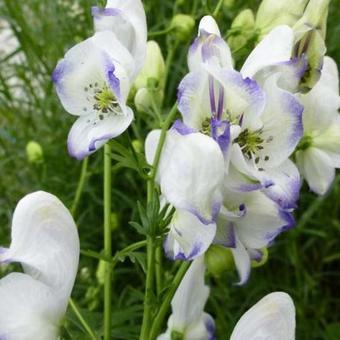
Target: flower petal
column 29, row 309
column 273, row 318
column 317, row 168
column 282, row 125
column 189, row 182
column 45, row 241
column 91, row 132
column 126, row 18
column 274, row 48
column 191, row 296
column 87, row 70
column 286, row 186
column 188, row 237
column 209, row 47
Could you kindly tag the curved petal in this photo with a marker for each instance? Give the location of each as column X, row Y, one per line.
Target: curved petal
column 193, row 99
column 29, row 309
column 188, row 237
column 45, row 240
column 209, row 47
column 282, row 125
column 273, row 318
column 244, row 100
column 87, row 73
column 317, row 168
column 191, row 296
column 189, row 182
column 262, row 222
column 126, row 18
column 242, row 261
column 203, row 329
column 274, row 48
column 286, row 186
column 91, row 132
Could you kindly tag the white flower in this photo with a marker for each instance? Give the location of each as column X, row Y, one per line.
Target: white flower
column 251, row 114
column 188, row 317
column 45, row 241
column 272, row 318
column 319, row 151
column 125, row 18
column 93, row 81
column 247, row 223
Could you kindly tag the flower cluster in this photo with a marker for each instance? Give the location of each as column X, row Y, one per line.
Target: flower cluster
column 95, row 77
column 229, row 166
column 45, row 242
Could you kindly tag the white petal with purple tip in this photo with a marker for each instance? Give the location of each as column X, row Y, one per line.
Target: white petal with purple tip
column 91, row 132
column 188, row 238
column 275, row 47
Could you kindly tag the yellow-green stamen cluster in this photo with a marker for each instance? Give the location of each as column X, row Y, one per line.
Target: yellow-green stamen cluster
column 105, row 100
column 250, row 142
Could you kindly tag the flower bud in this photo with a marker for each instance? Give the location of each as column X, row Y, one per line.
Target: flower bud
column 154, row 68
column 218, row 260
column 34, row 152
column 229, row 3
column 262, row 261
column 100, row 274
column 183, row 26
column 242, row 29
column 310, row 33
column 137, row 145
column 272, row 13
column 150, row 82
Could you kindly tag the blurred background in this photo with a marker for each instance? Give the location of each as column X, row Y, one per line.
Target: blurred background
column 34, row 35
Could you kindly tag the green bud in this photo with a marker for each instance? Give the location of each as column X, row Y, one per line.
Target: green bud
column 150, row 81
column 137, row 145
column 100, row 274
column 218, row 260
column 34, row 152
column 310, row 32
column 242, row 29
column 154, row 68
column 183, row 26
column 272, row 13
column 263, row 260
column 229, row 3
column 114, row 221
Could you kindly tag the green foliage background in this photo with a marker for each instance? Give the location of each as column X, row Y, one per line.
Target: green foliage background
column 305, row 262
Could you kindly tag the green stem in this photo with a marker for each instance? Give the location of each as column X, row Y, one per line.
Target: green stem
column 80, row 187
column 107, row 242
column 82, row 320
column 151, row 249
column 162, row 32
column 218, row 7
column 159, row 319
column 159, row 271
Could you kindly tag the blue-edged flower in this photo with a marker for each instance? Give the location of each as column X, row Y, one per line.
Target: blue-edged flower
column 93, row 82
column 251, row 114
column 125, row 18
column 45, row 242
column 247, row 223
column 273, row 317
column 318, row 153
column 190, row 175
column 188, row 320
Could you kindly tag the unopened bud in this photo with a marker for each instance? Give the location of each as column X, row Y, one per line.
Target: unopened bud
column 137, row 145
column 272, row 13
column 310, row 33
column 263, row 258
column 154, row 68
column 114, row 221
column 218, row 260
column 228, row 3
column 183, row 26
column 100, row 274
column 34, row 152
column 242, row 29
